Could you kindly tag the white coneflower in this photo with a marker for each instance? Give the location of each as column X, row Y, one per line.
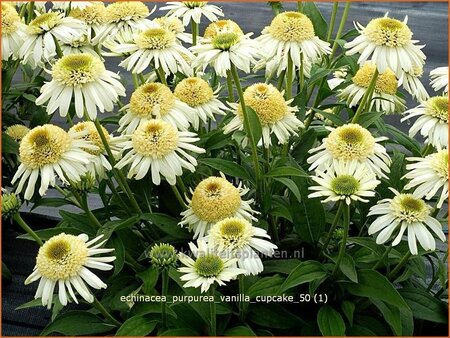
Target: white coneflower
column 39, row 45
column 84, row 77
column 155, row 100
column 79, row 45
column 65, row 5
column 351, row 142
column 192, row 10
column 13, row 32
column 65, row 261
column 213, row 200
column 238, row 237
column 291, row 34
column 275, row 114
column 159, row 147
column 410, row 81
column 387, row 42
column 46, row 150
column 174, row 25
column 344, row 180
column 339, row 76
column 439, row 79
column 157, row 47
column 99, row 163
column 94, row 16
column 428, row 175
column 432, row 122
column 224, row 49
column 222, row 26
column 17, row 132
column 198, row 95
column 122, row 20
column 208, row 268
column 405, row 212
column 384, row 97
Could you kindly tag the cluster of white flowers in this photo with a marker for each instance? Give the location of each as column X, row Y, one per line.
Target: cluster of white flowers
column 172, row 101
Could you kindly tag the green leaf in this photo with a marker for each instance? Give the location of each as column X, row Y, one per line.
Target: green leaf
column 290, row 185
column 308, row 215
column 9, row 146
column 275, row 316
column 112, row 226
column 368, row 118
column 397, row 171
column 391, row 314
column 284, row 266
column 227, row 167
column 330, row 116
column 119, row 252
column 372, row 284
column 425, row 306
column 31, row 303
column 181, row 332
column 255, row 132
column 265, row 286
column 287, row 172
column 320, row 25
column 242, row 331
column 50, row 202
column 77, row 323
column 404, row 140
column 305, row 272
column 300, row 151
column 348, row 268
column 167, row 224
column 137, row 326
column 360, row 331
column 46, row 234
column 330, row 322
column 348, row 308
column 78, row 221
column 150, row 278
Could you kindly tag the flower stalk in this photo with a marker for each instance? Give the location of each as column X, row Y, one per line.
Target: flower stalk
column 346, row 220
column 19, row 220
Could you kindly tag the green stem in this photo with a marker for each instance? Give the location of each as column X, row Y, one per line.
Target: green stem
column 30, row 12
column 436, row 276
column 253, row 145
column 301, row 75
column 25, row 227
column 289, row 78
column 178, row 196
column 117, row 173
column 83, row 202
column 99, row 306
column 212, row 311
column 346, row 213
column 367, row 97
column 194, row 27
column 427, row 150
column 181, row 186
column 381, row 260
column 281, row 80
column 333, row 20
column 162, row 76
column 241, row 293
column 400, row 265
column 164, row 289
column 332, row 228
column 58, row 48
column 299, row 6
column 135, row 80
column 340, row 30
column 230, row 86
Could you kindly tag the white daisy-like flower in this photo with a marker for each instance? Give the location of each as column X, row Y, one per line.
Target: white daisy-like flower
column 410, row 81
column 274, row 67
column 208, row 268
column 155, row 100
column 384, row 97
column 174, row 25
column 78, row 45
column 46, row 150
column 199, row 95
column 94, row 16
column 432, row 122
column 192, row 10
column 429, row 175
column 351, row 142
column 439, row 79
column 405, row 212
column 65, row 261
column 13, row 32
column 65, row 5
column 84, row 77
column 275, row 114
column 213, row 200
column 158, row 47
column 39, row 45
column 123, row 20
column 159, row 147
column 291, row 34
column 222, row 26
column 239, row 238
column 99, row 164
column 347, row 181
column 339, row 76
column 387, row 42
column 224, row 49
